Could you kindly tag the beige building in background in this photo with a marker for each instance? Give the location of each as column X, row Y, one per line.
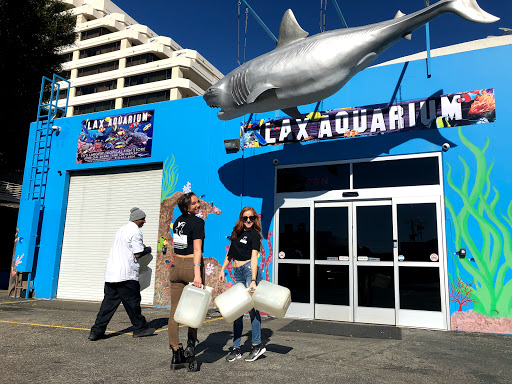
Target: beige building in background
column 117, row 63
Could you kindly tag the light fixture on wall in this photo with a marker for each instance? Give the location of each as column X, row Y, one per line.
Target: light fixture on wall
column 232, row 144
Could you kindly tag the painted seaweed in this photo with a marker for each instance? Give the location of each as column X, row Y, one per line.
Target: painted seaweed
column 170, row 178
column 485, row 232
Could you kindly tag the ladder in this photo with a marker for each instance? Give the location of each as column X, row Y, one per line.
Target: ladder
column 47, row 111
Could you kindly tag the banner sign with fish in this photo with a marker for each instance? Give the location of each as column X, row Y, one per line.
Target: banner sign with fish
column 456, row 109
column 116, row 137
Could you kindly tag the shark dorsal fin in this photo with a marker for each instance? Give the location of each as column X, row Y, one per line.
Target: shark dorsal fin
column 290, row 30
column 399, row 13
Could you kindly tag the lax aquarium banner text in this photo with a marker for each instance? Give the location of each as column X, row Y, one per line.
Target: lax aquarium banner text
column 457, row 109
column 116, row 137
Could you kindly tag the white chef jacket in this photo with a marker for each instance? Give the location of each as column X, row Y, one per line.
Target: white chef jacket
column 122, row 265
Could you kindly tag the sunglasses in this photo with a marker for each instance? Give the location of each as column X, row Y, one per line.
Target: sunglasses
column 247, row 218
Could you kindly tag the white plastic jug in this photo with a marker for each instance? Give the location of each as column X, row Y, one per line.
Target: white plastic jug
column 193, row 306
column 272, row 299
column 234, row 302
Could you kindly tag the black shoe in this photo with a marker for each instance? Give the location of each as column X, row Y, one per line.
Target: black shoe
column 93, row 336
column 144, row 332
column 234, row 355
column 256, row 351
column 190, row 351
column 178, row 359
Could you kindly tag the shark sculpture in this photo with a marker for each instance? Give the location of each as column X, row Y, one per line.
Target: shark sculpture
column 303, row 70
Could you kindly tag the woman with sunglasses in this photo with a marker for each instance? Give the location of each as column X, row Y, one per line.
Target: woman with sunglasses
column 243, row 254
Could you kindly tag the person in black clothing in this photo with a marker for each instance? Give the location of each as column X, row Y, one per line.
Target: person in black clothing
column 243, row 255
column 188, row 239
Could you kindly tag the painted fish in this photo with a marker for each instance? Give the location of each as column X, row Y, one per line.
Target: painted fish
column 304, row 70
column 139, row 137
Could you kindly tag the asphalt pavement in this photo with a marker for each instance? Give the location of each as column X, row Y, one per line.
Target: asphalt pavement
column 45, row 341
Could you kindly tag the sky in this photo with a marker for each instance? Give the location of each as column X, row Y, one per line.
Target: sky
column 211, row 26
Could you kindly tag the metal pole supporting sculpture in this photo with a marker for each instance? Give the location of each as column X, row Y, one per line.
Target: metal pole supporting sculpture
column 304, row 70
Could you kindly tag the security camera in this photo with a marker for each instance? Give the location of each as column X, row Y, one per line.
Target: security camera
column 56, row 129
column 275, row 162
column 445, row 147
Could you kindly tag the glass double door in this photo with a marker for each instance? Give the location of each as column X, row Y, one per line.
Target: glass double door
column 364, row 261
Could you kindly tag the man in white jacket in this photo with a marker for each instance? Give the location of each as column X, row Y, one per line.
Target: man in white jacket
column 122, row 278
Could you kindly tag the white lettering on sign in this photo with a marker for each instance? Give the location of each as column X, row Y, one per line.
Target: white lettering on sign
column 396, row 117
column 303, row 134
column 286, row 131
column 268, row 139
column 325, row 128
column 378, row 121
column 364, row 121
column 426, row 120
column 341, row 116
column 451, row 109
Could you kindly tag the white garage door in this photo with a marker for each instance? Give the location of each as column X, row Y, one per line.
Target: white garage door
column 98, row 205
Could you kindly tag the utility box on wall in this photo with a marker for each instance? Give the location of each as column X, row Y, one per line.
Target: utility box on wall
column 28, row 222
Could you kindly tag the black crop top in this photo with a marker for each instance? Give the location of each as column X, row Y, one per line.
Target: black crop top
column 185, row 230
column 241, row 248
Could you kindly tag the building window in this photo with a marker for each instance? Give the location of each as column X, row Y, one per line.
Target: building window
column 63, row 93
column 396, row 173
column 94, row 107
column 65, row 74
column 67, row 57
column 141, row 59
column 92, row 33
column 100, row 49
column 98, row 68
column 147, row 98
column 145, row 78
column 94, row 88
column 317, row 178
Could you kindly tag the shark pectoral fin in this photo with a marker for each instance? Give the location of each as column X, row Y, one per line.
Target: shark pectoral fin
column 366, row 61
column 290, row 30
column 408, row 36
column 258, row 91
column 293, row 112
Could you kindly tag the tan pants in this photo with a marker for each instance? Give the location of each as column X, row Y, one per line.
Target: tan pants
column 182, row 273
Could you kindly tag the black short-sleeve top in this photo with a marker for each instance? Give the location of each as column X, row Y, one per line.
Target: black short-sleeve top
column 185, row 230
column 241, row 248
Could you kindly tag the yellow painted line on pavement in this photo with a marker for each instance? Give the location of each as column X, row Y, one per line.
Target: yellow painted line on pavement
column 55, row 326
column 86, row 329
column 18, row 302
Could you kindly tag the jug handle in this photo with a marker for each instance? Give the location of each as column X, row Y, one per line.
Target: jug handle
column 202, row 285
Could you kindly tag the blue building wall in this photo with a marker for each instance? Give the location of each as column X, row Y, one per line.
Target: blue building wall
column 190, row 131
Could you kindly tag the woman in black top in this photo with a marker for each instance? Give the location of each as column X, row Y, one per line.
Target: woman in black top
column 243, row 255
column 188, row 242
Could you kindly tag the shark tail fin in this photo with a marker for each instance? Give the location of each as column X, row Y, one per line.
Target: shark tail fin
column 470, row 10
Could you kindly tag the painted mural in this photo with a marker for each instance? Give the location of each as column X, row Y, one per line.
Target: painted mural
column 165, row 251
column 169, row 211
column 480, row 221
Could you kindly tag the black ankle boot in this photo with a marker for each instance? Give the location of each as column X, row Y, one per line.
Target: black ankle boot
column 178, row 359
column 190, row 351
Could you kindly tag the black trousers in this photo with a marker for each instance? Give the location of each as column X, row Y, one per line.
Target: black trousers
column 126, row 292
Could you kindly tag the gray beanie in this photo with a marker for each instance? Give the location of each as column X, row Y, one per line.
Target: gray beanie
column 137, row 214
